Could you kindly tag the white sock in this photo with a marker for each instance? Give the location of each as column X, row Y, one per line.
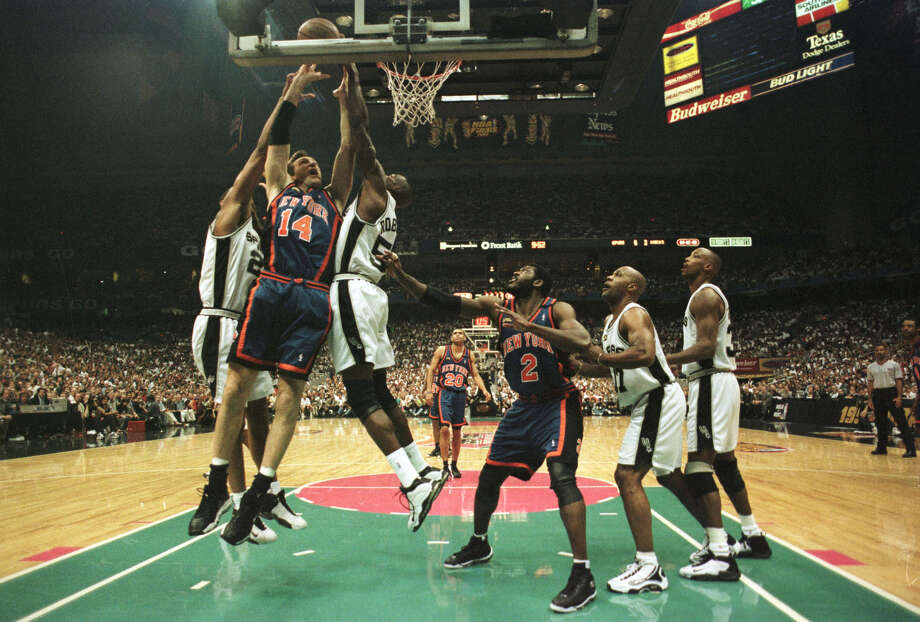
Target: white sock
column 718, row 541
column 219, row 461
column 267, row 471
column 647, row 557
column 480, row 536
column 275, row 487
column 586, row 562
column 749, row 525
column 415, row 457
column 403, row 467
column 236, row 496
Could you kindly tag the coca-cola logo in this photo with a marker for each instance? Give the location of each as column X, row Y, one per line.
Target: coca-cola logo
column 699, row 20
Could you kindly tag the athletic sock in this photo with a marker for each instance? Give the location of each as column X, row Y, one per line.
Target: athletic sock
column 268, row 472
column 260, row 483
column 718, row 541
column 217, row 478
column 403, row 467
column 581, row 564
column 275, row 487
column 749, row 526
column 236, row 496
column 445, row 464
column 415, row 457
column 647, row 557
column 481, row 537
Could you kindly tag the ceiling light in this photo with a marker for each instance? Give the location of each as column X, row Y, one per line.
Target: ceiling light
column 373, row 92
column 605, row 13
column 581, row 87
column 345, row 21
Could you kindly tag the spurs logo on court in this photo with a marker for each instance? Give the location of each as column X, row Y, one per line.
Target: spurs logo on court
column 704, row 431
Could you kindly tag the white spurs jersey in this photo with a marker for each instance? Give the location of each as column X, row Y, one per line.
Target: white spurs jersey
column 230, row 264
column 631, row 384
column 724, row 357
column 359, row 241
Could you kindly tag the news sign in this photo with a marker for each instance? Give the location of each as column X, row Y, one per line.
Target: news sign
column 742, row 49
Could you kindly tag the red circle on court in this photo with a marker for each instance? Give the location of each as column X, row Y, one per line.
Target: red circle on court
column 380, row 494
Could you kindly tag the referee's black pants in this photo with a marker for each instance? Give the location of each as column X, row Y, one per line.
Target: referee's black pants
column 883, row 400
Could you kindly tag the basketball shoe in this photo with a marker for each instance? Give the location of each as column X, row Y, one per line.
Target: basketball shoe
column 207, row 516
column 454, row 471
column 476, row 551
column 275, row 507
column 421, row 495
column 712, row 569
column 703, row 553
column 578, row 592
column 638, row 578
column 261, row 533
column 432, row 474
column 239, row 528
column 752, row 546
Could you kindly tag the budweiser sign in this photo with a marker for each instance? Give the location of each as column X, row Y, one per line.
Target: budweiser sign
column 703, row 106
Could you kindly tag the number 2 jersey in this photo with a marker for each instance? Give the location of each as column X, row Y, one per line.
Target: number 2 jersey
column 303, row 228
column 229, row 265
column 632, row 384
column 533, row 368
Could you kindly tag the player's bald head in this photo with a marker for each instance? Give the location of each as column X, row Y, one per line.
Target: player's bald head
column 635, row 277
column 710, row 258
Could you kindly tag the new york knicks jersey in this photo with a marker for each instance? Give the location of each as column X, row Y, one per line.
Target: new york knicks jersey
column 724, row 357
column 631, row 384
column 303, row 230
column 230, row 264
column 359, row 241
column 454, row 373
column 532, row 367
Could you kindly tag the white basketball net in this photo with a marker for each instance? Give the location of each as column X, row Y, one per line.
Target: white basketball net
column 414, row 93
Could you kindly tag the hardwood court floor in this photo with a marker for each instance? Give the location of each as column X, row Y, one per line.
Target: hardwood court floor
column 814, row 494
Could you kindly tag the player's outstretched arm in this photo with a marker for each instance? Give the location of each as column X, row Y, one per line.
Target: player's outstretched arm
column 373, row 200
column 234, row 202
column 343, row 167
column 569, row 335
column 707, row 309
column 279, row 138
column 640, row 334
column 466, row 307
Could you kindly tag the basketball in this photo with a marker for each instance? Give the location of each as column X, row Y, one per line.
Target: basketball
column 318, row 28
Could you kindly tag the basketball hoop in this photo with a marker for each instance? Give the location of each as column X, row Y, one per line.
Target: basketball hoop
column 414, row 93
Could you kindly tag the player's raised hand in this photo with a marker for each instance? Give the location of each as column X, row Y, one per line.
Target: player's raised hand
column 307, row 74
column 518, row 321
column 341, row 92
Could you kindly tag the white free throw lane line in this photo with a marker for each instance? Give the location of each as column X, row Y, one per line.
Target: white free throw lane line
column 439, row 542
column 307, row 552
column 115, row 577
column 840, row 571
column 770, row 598
column 199, row 585
column 608, row 514
column 566, row 554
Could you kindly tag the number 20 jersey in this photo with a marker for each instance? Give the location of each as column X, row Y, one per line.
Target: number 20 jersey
column 533, row 368
column 303, row 229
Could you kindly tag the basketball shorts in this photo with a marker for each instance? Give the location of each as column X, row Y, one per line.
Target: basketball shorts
column 533, row 432
column 713, row 412
column 285, row 323
column 449, row 407
column 655, row 430
column 359, row 327
column 212, row 338
column 433, row 409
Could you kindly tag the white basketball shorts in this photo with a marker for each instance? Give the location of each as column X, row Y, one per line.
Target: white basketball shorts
column 212, row 338
column 656, row 430
column 360, row 311
column 714, row 408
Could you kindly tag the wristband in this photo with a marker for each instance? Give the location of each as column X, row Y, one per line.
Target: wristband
column 434, row 297
column 280, row 133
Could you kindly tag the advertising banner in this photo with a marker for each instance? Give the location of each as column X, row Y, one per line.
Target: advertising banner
column 680, row 55
column 808, row 11
column 825, row 38
column 803, row 74
column 682, row 86
column 704, row 106
column 706, row 17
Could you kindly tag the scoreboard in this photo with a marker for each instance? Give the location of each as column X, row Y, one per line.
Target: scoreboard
column 743, row 49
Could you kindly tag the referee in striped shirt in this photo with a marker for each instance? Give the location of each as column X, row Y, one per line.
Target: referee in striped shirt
column 885, row 382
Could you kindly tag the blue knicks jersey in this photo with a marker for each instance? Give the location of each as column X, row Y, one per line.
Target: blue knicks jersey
column 303, row 230
column 533, row 368
column 454, row 373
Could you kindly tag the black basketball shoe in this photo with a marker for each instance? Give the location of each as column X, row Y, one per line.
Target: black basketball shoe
column 756, row 547
column 207, row 516
column 240, row 526
column 476, row 551
column 578, row 592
